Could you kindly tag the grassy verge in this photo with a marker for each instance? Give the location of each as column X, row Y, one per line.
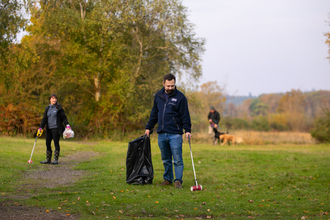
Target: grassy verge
column 265, row 182
column 262, row 137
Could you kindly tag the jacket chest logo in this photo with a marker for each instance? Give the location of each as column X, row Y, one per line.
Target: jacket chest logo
column 174, row 100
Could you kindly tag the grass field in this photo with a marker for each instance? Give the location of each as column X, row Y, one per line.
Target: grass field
column 241, row 182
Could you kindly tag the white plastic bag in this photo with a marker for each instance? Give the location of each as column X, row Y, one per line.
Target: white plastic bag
column 68, row 133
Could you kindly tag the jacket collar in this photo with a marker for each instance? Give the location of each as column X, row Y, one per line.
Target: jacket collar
column 58, row 108
column 161, row 93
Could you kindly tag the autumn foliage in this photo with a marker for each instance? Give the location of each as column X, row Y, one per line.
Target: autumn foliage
column 18, row 119
column 103, row 59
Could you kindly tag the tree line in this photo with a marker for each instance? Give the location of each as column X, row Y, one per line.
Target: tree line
column 103, row 59
column 290, row 111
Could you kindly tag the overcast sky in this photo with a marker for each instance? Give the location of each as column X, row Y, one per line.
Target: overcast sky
column 259, row 46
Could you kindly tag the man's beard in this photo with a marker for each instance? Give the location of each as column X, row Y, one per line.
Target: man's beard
column 169, row 91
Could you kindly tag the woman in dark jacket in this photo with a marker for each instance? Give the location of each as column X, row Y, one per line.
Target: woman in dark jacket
column 54, row 119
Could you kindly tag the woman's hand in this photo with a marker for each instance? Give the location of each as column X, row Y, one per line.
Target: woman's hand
column 39, row 132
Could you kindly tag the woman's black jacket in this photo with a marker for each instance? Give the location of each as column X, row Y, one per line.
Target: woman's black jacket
column 61, row 119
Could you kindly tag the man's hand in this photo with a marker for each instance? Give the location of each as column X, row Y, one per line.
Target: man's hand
column 210, row 120
column 188, row 135
column 147, row 132
column 215, row 125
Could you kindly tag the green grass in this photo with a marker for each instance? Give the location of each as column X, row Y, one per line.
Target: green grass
column 265, row 182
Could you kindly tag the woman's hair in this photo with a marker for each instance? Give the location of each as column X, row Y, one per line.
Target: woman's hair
column 53, row 95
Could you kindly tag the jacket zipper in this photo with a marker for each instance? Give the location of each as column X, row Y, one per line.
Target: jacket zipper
column 176, row 123
column 164, row 116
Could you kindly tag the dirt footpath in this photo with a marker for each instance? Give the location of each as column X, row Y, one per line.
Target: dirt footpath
column 48, row 176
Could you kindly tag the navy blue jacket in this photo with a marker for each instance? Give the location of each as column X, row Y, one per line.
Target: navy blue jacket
column 173, row 116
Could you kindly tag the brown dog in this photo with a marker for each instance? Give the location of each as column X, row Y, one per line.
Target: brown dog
column 227, row 138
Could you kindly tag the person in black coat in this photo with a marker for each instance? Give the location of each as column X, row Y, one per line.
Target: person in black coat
column 54, row 118
column 214, row 119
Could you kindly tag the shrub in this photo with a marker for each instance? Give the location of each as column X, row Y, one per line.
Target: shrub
column 18, row 119
column 321, row 130
column 260, row 123
column 278, row 127
column 278, row 122
column 233, row 123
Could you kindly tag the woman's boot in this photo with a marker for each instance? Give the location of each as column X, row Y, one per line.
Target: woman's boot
column 48, row 158
column 56, row 154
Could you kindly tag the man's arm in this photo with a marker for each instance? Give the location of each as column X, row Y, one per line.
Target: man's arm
column 153, row 119
column 185, row 116
column 218, row 117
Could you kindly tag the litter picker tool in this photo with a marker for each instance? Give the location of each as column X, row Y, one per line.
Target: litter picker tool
column 39, row 133
column 197, row 187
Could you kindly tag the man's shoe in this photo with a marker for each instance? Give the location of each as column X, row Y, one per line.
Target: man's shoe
column 165, row 183
column 178, row 184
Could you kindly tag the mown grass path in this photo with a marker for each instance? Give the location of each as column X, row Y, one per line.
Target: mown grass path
column 241, row 182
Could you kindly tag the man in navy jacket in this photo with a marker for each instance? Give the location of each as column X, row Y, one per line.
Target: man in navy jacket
column 170, row 111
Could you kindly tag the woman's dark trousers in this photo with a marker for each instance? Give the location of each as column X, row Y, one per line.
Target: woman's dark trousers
column 52, row 134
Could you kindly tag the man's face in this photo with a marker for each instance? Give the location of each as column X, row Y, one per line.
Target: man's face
column 212, row 111
column 169, row 86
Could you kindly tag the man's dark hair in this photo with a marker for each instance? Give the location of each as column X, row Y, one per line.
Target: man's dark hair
column 169, row 77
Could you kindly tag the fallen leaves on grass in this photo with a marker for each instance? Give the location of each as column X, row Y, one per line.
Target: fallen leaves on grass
column 251, row 201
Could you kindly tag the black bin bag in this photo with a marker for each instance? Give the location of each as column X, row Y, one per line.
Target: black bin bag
column 139, row 169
